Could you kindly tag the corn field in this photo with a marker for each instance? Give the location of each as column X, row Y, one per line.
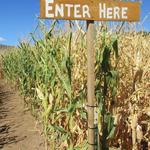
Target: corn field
column 51, row 74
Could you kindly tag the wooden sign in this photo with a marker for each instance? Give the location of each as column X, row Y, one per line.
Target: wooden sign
column 98, row 10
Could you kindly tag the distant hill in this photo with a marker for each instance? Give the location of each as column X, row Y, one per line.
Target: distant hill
column 4, row 48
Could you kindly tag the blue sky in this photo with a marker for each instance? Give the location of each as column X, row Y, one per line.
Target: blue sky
column 19, row 17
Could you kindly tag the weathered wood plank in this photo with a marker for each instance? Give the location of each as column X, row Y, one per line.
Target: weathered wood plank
column 99, row 10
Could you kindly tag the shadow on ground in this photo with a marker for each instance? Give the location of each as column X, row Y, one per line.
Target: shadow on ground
column 6, row 126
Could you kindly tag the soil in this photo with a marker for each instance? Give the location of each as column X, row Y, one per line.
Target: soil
column 18, row 128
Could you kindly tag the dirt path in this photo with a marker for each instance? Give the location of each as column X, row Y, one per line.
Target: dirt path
column 18, row 129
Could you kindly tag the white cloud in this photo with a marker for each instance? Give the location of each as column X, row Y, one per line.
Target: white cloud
column 2, row 39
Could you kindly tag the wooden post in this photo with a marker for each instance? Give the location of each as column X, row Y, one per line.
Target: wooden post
column 91, row 83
